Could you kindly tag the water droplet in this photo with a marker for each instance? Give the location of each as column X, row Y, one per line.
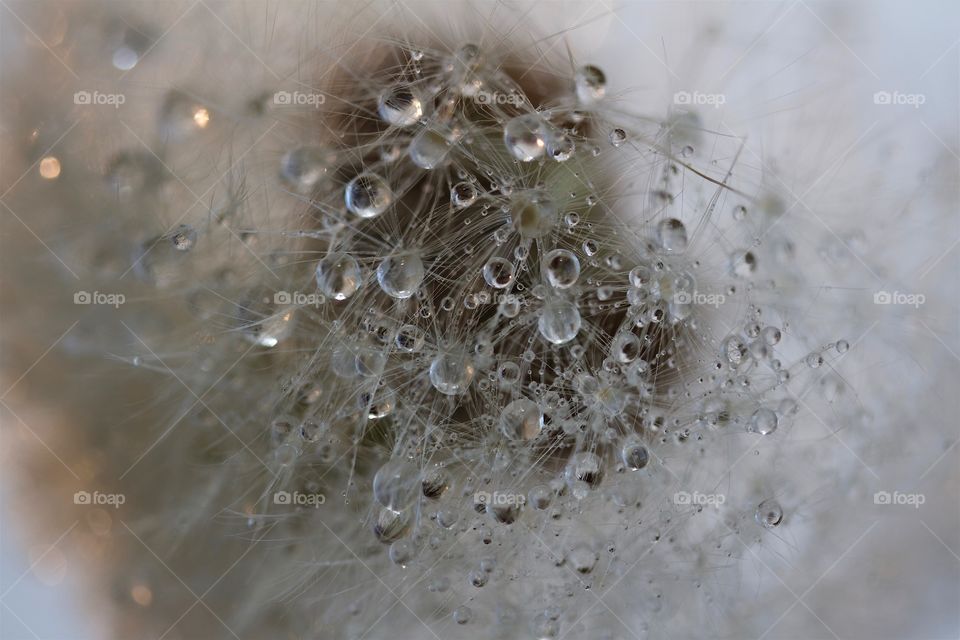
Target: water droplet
column 429, row 149
column 764, row 422
column 634, row 454
column 561, row 268
column 368, row 195
column 524, row 137
column 462, row 614
column 498, row 273
column 463, row 194
column 400, row 276
column 338, row 276
column 401, row 552
column 769, row 514
column 451, row 373
column 182, row 116
column 584, row 467
column 560, row 146
column 522, row 419
column 409, row 338
column 842, row 346
column 625, row 348
column 400, row 107
column 618, row 137
column 534, row 214
column 739, row 212
column 183, row 238
column 559, row 321
column 304, row 167
column 743, row 264
column 396, row 484
column 771, row 335
column 391, row 525
column 590, row 84
column 582, row 558
column 672, row 235
column 814, row 360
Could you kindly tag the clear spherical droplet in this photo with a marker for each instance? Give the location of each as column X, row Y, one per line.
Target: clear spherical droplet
column 618, row 137
column 368, row 195
column 396, row 485
column 429, row 149
column 451, row 373
column 561, row 268
column 400, row 107
column 498, row 273
column 409, row 338
column 559, row 321
column 534, row 215
column 764, row 422
column 634, row 454
column 304, row 167
column 522, row 419
column 524, row 137
column 590, row 84
column 463, row 194
column 338, row 276
column 743, row 264
column 769, row 514
column 585, row 467
column 672, row 235
column 400, row 276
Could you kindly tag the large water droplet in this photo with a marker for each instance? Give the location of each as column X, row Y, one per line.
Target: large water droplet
column 400, row 107
column 429, row 149
column 634, row 454
column 561, row 268
column 764, row 422
column 533, row 213
column 522, row 419
column 451, row 373
column 590, row 83
column 524, row 137
column 368, row 195
column 396, row 484
column 304, row 167
column 338, row 276
column 672, row 235
column 400, row 276
column 559, row 321
column 498, row 273
column 769, row 514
